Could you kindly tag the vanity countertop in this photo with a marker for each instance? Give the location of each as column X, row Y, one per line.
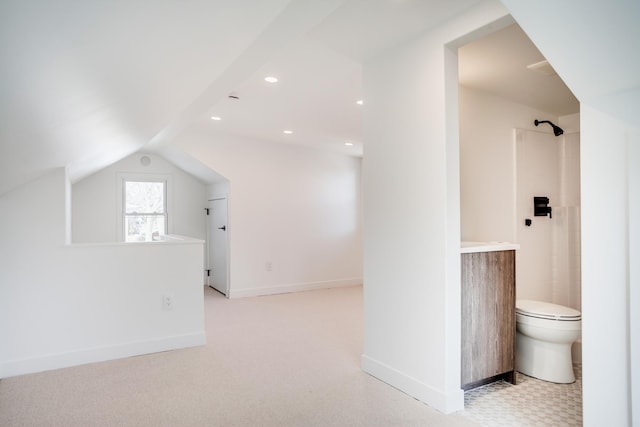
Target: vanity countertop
column 471, row 247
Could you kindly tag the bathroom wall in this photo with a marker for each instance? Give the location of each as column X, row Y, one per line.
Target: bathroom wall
column 566, row 257
column 548, row 265
column 537, row 174
column 487, row 166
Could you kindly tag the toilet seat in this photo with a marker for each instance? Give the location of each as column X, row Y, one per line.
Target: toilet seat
column 546, row 310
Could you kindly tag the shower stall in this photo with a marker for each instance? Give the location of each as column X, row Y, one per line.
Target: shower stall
column 548, row 262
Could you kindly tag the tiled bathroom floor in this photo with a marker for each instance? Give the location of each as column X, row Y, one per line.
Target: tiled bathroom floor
column 531, row 402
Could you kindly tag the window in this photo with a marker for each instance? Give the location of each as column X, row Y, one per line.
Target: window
column 145, row 210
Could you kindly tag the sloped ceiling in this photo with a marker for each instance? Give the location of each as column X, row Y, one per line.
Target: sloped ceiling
column 593, row 45
column 498, row 64
column 86, row 83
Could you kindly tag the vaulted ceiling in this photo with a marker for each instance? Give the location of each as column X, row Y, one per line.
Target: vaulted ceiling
column 87, row 82
column 84, row 83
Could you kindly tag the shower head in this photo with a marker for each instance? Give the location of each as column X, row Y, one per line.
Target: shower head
column 557, row 130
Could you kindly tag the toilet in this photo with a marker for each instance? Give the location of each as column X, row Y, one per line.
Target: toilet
column 545, row 333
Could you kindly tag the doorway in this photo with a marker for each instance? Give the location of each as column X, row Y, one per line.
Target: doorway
column 505, row 84
column 218, row 245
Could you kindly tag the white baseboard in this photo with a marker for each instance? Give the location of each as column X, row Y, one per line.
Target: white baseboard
column 296, row 287
column 446, row 403
column 99, row 354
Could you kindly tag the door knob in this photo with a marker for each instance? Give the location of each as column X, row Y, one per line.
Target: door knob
column 223, row 228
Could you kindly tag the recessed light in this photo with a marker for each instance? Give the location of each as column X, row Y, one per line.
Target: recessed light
column 271, row 79
column 348, row 144
column 216, row 118
column 359, row 102
column 288, row 132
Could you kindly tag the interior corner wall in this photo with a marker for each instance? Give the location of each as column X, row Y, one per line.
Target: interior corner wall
column 296, row 208
column 95, row 205
column 411, row 298
column 608, row 278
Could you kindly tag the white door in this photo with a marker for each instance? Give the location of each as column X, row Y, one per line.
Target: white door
column 218, row 245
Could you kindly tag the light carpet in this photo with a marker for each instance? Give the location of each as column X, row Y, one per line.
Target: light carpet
column 282, row 360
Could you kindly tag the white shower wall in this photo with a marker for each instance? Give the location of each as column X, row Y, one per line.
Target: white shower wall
column 537, row 173
column 566, row 230
column 548, row 264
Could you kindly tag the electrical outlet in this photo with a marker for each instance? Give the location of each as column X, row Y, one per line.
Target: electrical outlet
column 167, row 302
column 268, row 266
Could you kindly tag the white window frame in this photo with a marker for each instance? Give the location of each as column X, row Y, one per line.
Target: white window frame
column 123, row 178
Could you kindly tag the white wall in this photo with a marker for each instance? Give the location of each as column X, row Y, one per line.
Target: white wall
column 411, row 194
column 218, row 189
column 487, row 163
column 607, row 198
column 567, row 285
column 95, row 204
column 537, row 166
column 294, row 207
column 634, row 271
column 65, row 305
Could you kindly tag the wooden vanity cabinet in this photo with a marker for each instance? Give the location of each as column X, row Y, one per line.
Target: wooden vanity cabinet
column 488, row 318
